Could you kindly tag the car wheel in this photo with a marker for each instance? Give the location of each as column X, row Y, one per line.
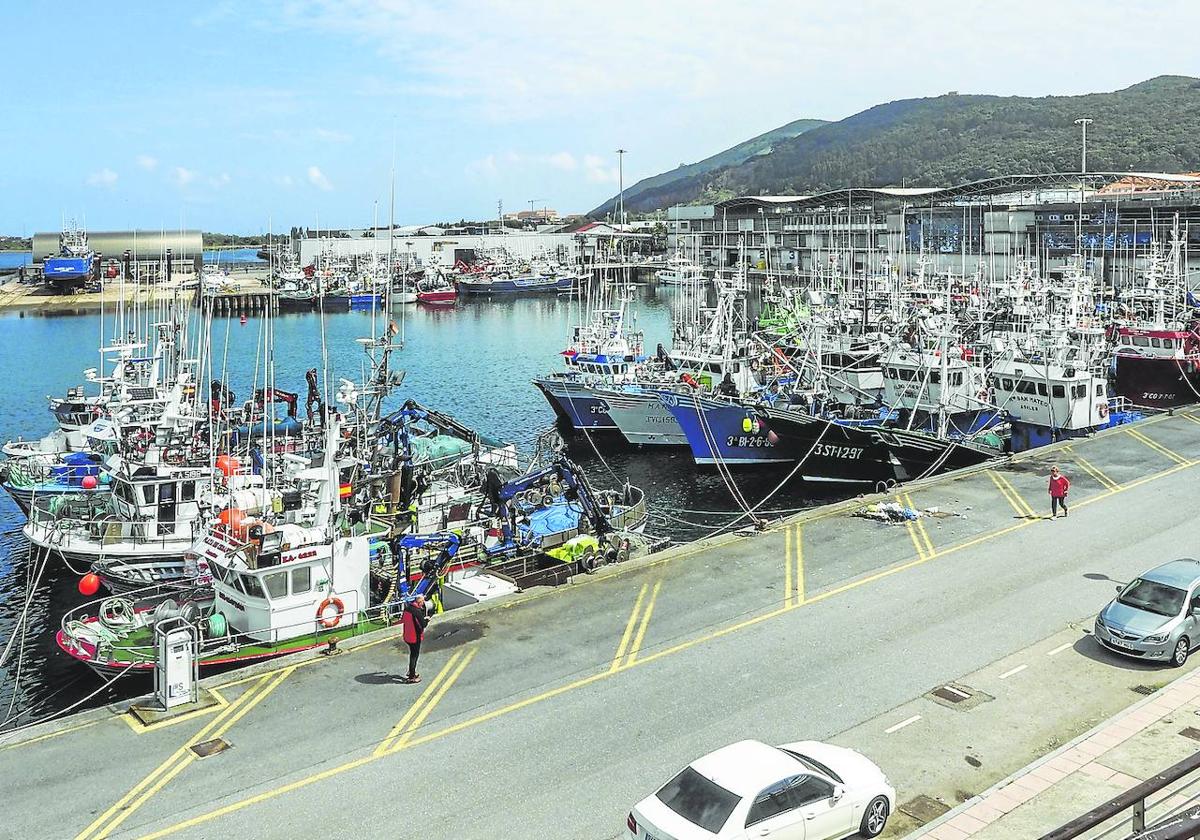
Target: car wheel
column 1182, row 648
column 874, row 818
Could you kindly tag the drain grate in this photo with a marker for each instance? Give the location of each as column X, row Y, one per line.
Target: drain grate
column 1190, row 732
column 951, row 694
column 924, row 808
column 211, row 747
column 1143, row 689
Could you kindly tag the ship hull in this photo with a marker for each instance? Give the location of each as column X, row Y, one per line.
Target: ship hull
column 1157, row 382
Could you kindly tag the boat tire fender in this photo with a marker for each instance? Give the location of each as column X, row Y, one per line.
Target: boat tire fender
column 332, row 620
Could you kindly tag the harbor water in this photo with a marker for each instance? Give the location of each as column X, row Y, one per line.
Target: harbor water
column 474, row 361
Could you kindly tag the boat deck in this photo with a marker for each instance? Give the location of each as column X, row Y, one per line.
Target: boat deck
column 551, row 713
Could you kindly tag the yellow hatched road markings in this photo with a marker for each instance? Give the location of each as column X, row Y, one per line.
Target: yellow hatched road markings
column 386, row 744
column 919, row 527
column 1092, row 470
column 627, row 636
column 141, row 728
column 1191, row 417
column 140, row 793
column 406, row 734
column 788, row 586
column 798, row 553
column 662, row 653
column 1156, row 446
column 641, row 633
column 1010, row 493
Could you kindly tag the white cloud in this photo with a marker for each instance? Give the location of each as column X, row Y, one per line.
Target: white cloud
column 562, row 160
column 221, row 180
column 317, row 178
column 330, row 135
column 485, row 166
column 104, row 178
column 598, row 170
column 147, row 162
column 184, row 176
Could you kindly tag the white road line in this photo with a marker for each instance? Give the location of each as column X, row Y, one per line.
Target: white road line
column 902, row 724
column 1060, row 648
column 954, row 690
column 1016, row 670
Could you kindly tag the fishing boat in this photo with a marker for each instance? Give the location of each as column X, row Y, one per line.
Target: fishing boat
column 75, row 261
column 33, row 477
column 436, row 291
column 680, row 271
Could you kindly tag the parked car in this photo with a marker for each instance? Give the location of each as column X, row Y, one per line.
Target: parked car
column 801, row 791
column 1157, row 616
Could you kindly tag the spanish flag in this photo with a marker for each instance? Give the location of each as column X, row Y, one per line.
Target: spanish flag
column 344, row 490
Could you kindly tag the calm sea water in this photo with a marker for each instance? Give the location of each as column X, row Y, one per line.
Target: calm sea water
column 474, row 361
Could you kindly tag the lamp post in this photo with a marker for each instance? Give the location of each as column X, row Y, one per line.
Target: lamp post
column 621, row 187
column 1083, row 123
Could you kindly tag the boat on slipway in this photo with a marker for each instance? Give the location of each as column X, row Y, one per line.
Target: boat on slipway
column 75, row 261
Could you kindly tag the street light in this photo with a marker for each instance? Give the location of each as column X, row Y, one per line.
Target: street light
column 1083, row 123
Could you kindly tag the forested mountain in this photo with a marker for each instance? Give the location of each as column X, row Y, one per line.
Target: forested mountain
column 1152, row 126
column 760, row 145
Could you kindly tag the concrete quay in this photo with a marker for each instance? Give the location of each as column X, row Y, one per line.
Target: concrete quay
column 550, row 714
column 16, row 296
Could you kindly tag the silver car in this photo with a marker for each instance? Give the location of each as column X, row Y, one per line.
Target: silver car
column 1157, row 616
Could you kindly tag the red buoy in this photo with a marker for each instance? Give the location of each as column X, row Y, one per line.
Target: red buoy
column 89, row 584
column 88, row 482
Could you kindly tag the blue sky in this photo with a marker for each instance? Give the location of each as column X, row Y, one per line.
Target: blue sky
column 232, row 117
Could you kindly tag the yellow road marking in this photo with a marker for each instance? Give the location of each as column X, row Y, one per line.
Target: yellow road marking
column 1095, row 472
column 386, row 638
column 116, row 814
column 583, row 682
column 437, row 698
column 788, row 588
column 641, row 633
column 403, row 723
column 912, row 531
column 628, row 634
column 798, row 550
column 1156, row 446
column 1191, row 417
column 919, row 525
column 140, row 728
column 1009, row 493
column 189, row 756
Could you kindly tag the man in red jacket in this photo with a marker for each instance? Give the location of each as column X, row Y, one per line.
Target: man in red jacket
column 414, row 619
column 1059, row 485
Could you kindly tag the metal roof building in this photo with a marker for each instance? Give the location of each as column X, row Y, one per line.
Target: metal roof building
column 142, row 245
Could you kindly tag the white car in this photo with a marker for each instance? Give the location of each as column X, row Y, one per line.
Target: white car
column 801, row 791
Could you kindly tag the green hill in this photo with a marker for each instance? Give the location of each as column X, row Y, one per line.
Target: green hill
column 1153, row 126
column 755, row 146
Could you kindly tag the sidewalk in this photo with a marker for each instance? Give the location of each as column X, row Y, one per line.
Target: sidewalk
column 1115, row 756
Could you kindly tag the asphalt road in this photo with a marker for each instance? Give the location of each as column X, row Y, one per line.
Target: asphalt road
column 551, row 717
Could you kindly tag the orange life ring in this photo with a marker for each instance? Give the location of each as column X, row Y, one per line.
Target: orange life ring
column 337, row 604
column 1102, row 410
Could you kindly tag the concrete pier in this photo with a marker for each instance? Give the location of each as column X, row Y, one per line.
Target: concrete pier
column 550, row 714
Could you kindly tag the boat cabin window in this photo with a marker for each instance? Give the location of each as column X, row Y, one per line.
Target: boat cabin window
column 1141, row 341
column 1078, row 391
column 1156, row 342
column 148, row 492
column 1008, row 384
column 248, row 584
column 1168, row 343
column 1026, row 387
column 277, row 584
column 1099, row 389
column 1041, row 386
column 1059, row 391
column 956, row 378
column 187, row 491
column 935, row 378
column 301, row 580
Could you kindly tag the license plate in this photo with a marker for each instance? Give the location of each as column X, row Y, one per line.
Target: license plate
column 1119, row 644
